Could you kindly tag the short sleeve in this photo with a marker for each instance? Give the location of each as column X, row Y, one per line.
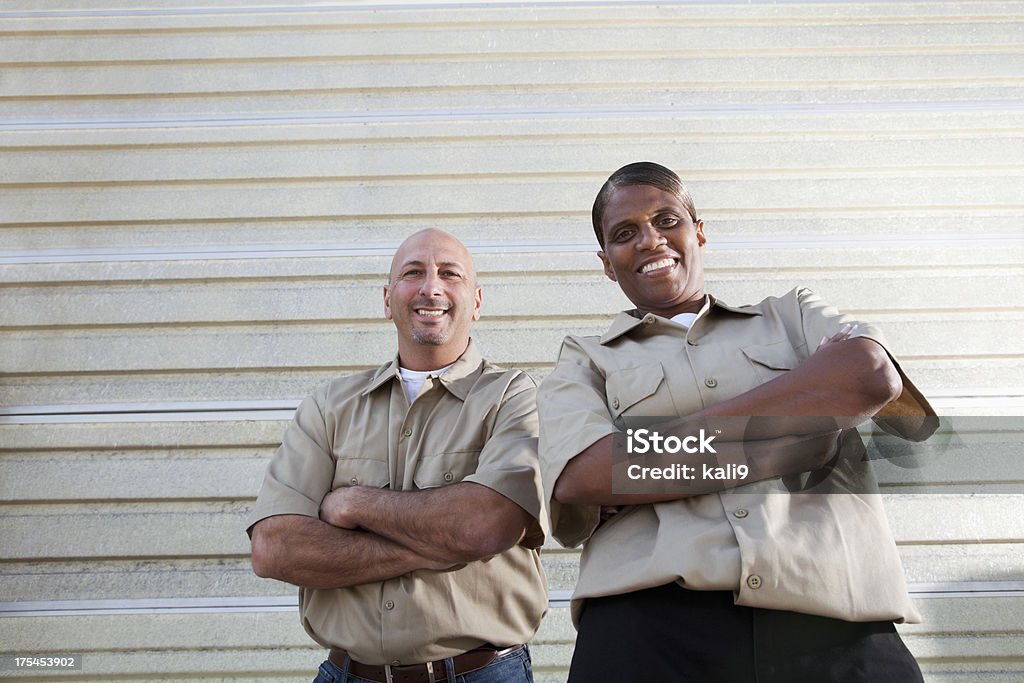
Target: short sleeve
column 574, row 414
column 910, row 416
column 301, row 472
column 508, row 462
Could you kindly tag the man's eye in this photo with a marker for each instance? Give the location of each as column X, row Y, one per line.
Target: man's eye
column 623, row 235
column 668, row 221
column 410, row 273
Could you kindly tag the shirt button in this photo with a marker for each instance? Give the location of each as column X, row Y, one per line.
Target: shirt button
column 649, row 320
column 691, row 342
column 615, row 404
column 396, row 663
column 754, row 581
column 354, row 481
column 407, row 432
column 448, row 476
column 390, row 604
column 711, row 382
column 740, row 514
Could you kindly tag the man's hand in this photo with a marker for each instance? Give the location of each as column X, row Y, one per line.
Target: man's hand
column 449, row 525
column 309, row 552
column 340, row 507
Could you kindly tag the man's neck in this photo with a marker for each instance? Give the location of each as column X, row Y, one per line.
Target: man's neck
column 423, row 358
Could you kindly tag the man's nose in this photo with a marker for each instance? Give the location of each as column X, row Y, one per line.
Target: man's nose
column 431, row 285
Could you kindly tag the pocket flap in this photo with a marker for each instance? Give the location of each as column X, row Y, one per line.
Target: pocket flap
column 629, row 386
column 777, row 356
column 361, row 472
column 445, row 468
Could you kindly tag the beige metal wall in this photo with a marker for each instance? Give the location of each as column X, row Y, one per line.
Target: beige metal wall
column 198, row 201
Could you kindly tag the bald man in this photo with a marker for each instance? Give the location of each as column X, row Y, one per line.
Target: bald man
column 405, row 501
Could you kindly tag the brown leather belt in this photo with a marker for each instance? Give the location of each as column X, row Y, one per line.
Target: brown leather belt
column 420, row 673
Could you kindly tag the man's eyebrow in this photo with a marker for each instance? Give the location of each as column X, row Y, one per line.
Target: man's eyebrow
column 399, row 267
column 443, row 264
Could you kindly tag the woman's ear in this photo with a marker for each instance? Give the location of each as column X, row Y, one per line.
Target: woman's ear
column 607, row 266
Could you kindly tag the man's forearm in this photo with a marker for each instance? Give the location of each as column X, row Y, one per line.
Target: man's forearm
column 463, row 522
column 308, row 552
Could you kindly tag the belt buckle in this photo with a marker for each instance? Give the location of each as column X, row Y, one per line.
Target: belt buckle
column 389, row 678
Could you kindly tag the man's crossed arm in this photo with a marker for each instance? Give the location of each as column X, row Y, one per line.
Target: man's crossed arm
column 367, row 535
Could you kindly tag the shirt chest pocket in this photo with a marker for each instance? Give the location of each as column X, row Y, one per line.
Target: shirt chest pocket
column 635, row 390
column 442, row 469
column 771, row 360
column 361, row 472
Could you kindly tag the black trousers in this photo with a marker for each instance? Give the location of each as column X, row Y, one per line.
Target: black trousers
column 670, row 633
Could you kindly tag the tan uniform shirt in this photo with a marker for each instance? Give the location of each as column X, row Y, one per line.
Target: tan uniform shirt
column 476, row 423
column 825, row 554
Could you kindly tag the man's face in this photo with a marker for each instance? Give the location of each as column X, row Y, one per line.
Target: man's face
column 432, row 296
column 653, row 250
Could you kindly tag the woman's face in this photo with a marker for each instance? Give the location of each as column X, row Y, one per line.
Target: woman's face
column 653, row 250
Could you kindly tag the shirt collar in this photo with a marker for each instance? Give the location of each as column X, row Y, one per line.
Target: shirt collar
column 458, row 379
column 627, row 321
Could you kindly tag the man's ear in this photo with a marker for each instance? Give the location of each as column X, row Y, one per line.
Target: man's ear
column 701, row 239
column 477, row 300
column 607, row 266
column 387, row 303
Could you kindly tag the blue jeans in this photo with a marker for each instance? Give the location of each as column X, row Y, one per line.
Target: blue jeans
column 515, row 667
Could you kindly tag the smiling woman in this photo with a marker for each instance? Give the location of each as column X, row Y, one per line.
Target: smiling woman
column 652, row 247
column 724, row 566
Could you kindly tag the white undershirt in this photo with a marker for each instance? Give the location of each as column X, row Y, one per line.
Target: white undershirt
column 412, row 380
column 685, row 319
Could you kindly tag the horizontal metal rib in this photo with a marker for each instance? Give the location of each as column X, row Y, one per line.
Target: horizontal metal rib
column 556, row 599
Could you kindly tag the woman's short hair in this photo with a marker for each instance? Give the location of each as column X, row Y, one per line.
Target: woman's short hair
column 640, row 173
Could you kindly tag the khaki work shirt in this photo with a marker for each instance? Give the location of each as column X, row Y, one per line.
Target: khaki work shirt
column 826, row 554
column 475, row 423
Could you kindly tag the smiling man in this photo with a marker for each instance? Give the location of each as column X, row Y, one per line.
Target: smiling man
column 405, row 502
column 729, row 578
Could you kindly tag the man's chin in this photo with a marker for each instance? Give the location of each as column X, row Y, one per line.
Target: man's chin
column 430, row 337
